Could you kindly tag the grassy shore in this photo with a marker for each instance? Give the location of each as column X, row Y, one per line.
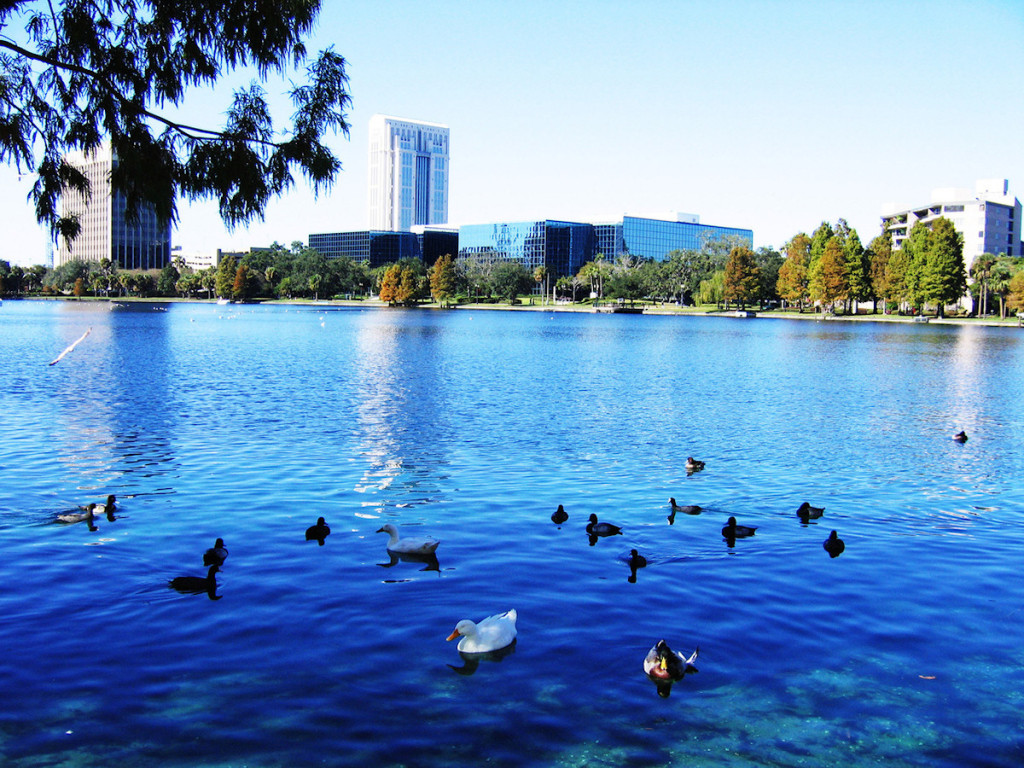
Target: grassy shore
column 586, row 307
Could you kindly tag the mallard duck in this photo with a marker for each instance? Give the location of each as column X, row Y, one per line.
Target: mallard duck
column 320, row 531
column 216, row 555
column 807, row 512
column 411, row 545
column 693, row 465
column 662, row 663
column 834, row 545
column 559, row 515
column 195, row 583
column 601, row 529
column 686, row 509
column 960, row 437
column 734, row 531
column 79, row 517
column 491, row 634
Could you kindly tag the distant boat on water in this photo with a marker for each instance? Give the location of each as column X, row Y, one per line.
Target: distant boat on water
column 223, row 301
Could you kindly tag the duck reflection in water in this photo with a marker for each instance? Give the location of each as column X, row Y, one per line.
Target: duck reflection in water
column 470, row 661
column 318, row 532
column 430, row 559
column 663, row 666
column 196, row 585
column 635, row 562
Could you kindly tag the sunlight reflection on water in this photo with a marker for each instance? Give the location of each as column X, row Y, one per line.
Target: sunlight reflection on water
column 248, row 424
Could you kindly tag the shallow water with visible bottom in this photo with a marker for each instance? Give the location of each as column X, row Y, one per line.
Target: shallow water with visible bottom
column 249, row 422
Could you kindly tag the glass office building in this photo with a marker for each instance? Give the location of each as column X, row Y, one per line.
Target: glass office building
column 655, row 239
column 560, row 246
column 106, row 232
column 377, row 247
column 563, row 247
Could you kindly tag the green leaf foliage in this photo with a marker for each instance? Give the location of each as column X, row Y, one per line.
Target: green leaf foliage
column 79, row 73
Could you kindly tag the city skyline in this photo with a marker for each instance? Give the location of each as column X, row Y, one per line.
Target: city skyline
column 772, row 116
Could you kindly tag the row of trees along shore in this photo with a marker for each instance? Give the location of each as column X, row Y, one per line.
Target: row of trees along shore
column 828, row 270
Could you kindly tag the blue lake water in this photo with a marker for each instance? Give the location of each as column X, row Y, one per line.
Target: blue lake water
column 248, row 423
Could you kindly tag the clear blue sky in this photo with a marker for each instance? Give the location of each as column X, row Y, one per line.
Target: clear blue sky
column 768, row 115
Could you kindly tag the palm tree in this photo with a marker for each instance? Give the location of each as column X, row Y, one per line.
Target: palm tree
column 999, row 281
column 981, row 271
column 540, row 275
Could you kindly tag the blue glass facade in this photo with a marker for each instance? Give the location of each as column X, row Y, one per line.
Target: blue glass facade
column 655, row 239
column 561, row 246
column 376, row 248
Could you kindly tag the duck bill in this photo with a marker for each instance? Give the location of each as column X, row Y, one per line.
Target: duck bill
column 453, row 635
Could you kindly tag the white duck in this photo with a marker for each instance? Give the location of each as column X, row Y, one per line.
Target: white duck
column 491, row 634
column 410, row 545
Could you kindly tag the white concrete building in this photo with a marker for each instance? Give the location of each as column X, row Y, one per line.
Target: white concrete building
column 106, row 233
column 408, row 181
column 989, row 218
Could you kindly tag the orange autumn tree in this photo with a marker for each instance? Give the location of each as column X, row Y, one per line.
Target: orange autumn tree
column 742, row 277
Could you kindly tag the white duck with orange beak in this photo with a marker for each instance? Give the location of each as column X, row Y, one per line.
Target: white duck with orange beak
column 491, row 634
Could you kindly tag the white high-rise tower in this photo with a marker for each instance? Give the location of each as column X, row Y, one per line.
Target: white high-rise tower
column 408, row 173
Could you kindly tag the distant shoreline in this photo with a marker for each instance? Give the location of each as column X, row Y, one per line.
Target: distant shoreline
column 665, row 310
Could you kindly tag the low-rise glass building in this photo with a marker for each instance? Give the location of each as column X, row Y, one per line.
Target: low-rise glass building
column 655, row 238
column 377, row 247
column 560, row 246
column 563, row 247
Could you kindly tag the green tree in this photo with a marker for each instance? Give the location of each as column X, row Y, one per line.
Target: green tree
column 858, row 269
column 879, row 252
column 944, row 279
column 742, row 277
column 683, row 271
column 819, row 239
column 510, row 280
column 478, row 271
column 1002, row 273
column 315, row 281
column 626, row 279
column 169, row 277
column 981, row 271
column 915, row 255
column 225, row 281
column 120, row 70
column 444, row 280
column 769, row 264
column 712, row 290
column 540, row 275
column 187, row 285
